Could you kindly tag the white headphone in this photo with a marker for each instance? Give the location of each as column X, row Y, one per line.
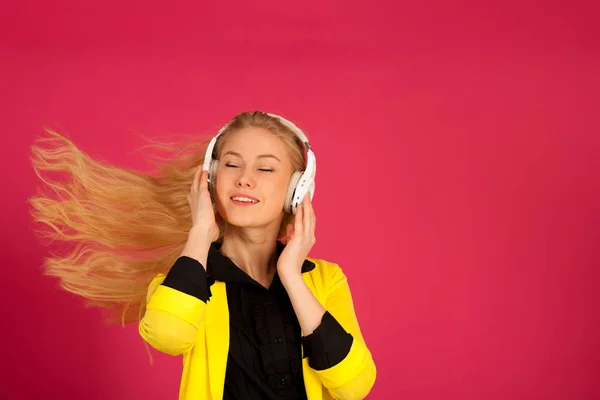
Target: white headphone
column 301, row 183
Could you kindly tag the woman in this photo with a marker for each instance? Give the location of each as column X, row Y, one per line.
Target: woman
column 252, row 315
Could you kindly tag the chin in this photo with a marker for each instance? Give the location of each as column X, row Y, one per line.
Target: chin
column 243, row 221
column 247, row 218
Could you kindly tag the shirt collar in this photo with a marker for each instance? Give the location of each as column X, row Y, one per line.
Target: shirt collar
column 222, row 268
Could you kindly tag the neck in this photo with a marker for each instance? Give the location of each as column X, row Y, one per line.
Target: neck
column 253, row 251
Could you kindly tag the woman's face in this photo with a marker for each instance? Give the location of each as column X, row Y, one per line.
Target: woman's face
column 252, row 178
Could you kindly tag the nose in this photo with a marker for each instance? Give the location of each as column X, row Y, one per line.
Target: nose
column 246, row 179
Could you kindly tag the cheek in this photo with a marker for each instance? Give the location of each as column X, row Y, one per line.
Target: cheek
column 279, row 190
column 225, row 176
column 222, row 186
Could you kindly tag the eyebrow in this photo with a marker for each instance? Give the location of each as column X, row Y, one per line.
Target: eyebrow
column 233, row 153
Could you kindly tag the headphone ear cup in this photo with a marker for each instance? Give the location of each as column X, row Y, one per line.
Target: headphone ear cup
column 289, row 197
column 212, row 185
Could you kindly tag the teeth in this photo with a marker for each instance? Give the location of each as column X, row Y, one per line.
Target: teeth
column 244, row 199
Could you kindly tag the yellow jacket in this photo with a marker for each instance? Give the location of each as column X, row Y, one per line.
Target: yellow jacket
column 177, row 323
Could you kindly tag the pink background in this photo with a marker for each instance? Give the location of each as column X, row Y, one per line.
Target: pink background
column 458, row 180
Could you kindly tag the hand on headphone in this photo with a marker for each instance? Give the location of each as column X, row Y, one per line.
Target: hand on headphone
column 300, row 239
column 203, row 215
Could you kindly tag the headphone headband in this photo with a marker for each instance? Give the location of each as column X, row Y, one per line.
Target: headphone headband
column 289, row 124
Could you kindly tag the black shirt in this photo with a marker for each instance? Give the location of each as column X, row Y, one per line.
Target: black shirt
column 265, row 356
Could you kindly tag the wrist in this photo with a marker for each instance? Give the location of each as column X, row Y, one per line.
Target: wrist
column 198, row 237
column 289, row 277
column 197, row 247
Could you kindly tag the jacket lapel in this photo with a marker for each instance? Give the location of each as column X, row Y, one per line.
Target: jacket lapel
column 217, row 338
column 312, row 382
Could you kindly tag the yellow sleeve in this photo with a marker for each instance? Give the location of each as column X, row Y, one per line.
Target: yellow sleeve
column 172, row 318
column 354, row 376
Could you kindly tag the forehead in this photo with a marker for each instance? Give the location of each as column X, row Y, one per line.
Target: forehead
column 250, row 142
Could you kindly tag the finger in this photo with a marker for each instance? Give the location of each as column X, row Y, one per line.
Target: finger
column 298, row 221
column 306, row 213
column 204, row 180
column 196, row 178
column 313, row 218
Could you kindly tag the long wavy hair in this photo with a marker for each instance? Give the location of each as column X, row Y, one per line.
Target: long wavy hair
column 110, row 230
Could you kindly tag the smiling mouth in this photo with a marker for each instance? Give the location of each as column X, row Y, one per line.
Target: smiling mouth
column 244, row 201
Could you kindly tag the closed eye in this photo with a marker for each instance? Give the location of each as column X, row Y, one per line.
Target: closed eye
column 260, row 169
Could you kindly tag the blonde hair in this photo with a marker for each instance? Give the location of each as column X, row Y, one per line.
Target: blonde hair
column 112, row 229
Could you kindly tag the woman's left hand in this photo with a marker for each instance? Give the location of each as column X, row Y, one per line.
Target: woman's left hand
column 300, row 239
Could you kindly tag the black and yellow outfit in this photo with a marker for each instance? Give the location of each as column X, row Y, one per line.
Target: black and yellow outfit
column 241, row 340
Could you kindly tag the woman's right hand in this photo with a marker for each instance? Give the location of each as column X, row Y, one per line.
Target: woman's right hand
column 204, row 225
